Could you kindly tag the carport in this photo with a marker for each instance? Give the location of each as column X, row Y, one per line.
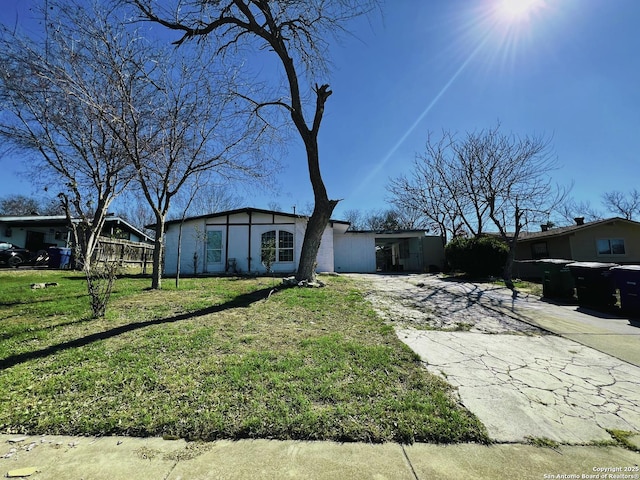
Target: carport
column 398, row 253
column 388, row 251
column 408, row 251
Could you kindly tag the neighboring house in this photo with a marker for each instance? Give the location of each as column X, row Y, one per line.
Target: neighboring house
column 613, row 240
column 39, row 232
column 243, row 240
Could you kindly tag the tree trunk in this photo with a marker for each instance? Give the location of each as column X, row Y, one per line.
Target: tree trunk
column 179, row 254
column 312, row 238
column 323, row 207
column 507, row 272
column 158, row 244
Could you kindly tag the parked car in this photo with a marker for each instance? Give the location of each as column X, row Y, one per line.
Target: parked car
column 13, row 256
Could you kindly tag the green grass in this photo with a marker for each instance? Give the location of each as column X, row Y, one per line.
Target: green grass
column 532, row 288
column 215, row 359
column 621, row 437
column 542, row 442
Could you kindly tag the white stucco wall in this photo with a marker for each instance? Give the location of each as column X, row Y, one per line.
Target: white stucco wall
column 326, row 252
column 241, row 240
column 192, row 242
column 18, row 235
column 355, row 252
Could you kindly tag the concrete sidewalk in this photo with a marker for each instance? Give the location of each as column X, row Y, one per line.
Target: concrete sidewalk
column 116, row 458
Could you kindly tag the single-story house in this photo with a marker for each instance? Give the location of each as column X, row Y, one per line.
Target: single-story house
column 613, row 240
column 242, row 241
column 39, row 232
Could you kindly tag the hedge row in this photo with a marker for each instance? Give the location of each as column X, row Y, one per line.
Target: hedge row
column 478, row 257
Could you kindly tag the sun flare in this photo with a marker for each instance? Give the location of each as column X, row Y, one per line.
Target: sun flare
column 517, row 10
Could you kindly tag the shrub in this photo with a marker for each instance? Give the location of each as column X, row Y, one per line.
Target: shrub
column 478, row 257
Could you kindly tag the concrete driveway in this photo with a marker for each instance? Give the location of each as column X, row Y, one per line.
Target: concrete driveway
column 527, row 368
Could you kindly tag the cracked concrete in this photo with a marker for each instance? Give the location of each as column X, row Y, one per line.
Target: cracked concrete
column 421, row 301
column 512, row 385
column 521, row 381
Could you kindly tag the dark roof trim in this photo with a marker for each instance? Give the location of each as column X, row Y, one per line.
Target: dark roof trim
column 560, row 231
column 25, row 220
column 246, row 210
column 61, row 220
column 118, row 221
column 394, row 232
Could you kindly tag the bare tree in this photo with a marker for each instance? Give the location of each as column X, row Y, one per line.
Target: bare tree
column 200, row 196
column 305, row 210
column 58, row 95
column 389, row 219
column 53, row 90
column 296, row 32
column 24, row 205
column 625, row 205
column 186, row 125
column 185, row 201
column 567, row 211
column 274, row 206
column 214, row 197
column 513, row 174
column 134, row 208
column 484, row 178
column 355, row 219
column 19, row 205
column 442, row 187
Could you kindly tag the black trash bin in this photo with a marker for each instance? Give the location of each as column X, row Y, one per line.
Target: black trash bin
column 627, row 279
column 557, row 281
column 54, row 257
column 594, row 284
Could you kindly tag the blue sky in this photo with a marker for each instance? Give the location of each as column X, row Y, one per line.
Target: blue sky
column 569, row 70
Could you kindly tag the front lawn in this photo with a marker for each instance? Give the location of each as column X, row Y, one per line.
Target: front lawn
column 215, row 359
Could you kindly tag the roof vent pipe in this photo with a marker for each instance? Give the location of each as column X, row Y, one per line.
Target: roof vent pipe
column 579, row 220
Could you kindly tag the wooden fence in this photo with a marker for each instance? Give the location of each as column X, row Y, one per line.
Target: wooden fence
column 125, row 252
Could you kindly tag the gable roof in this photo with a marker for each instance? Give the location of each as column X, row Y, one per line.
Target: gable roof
column 247, row 210
column 61, row 220
column 120, row 221
column 25, row 220
column 560, row 231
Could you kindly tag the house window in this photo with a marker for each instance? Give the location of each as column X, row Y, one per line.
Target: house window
column 268, row 247
column 539, row 250
column 277, row 246
column 611, row 246
column 285, row 246
column 214, row 246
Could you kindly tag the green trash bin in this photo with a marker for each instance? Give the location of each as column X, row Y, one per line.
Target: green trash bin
column 594, row 284
column 557, row 281
column 627, row 279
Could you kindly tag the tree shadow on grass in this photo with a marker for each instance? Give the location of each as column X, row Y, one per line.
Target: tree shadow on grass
column 241, row 301
column 29, row 301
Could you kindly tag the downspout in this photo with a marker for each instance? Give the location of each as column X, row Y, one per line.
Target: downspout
column 204, row 247
column 226, row 247
column 249, row 252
